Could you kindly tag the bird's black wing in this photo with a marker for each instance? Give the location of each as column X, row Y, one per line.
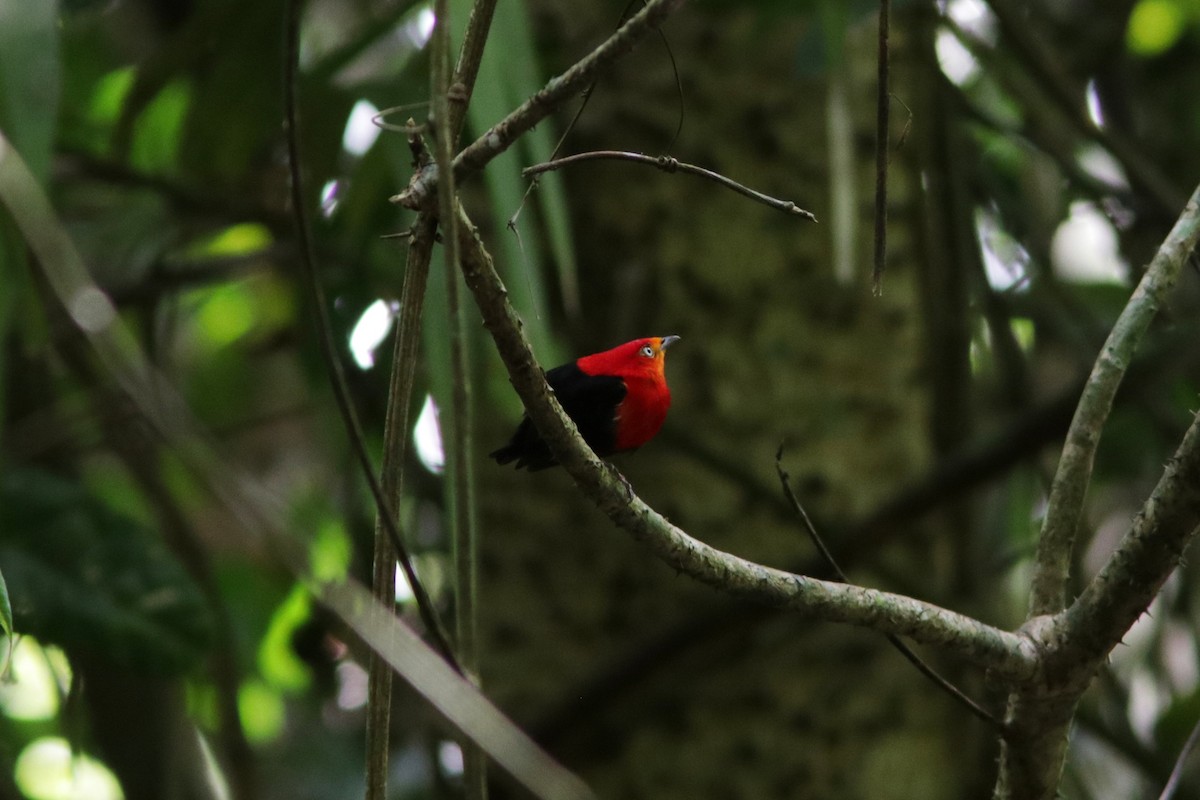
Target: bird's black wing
column 590, row 400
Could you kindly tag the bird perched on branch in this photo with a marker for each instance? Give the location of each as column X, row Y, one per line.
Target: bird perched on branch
column 618, row 399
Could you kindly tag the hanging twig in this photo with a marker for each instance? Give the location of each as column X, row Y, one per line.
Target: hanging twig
column 906, row 651
column 449, row 107
column 882, row 113
column 325, row 334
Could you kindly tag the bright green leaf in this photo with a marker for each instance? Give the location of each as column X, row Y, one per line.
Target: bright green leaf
column 277, row 660
column 226, row 315
column 236, row 240
column 262, row 711
column 329, row 554
column 1154, row 27
column 109, row 96
column 32, row 690
column 157, row 137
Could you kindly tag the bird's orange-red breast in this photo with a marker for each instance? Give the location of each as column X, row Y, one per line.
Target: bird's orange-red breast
column 618, row 399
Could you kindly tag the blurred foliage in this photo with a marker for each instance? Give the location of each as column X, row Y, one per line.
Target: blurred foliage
column 1039, row 151
column 87, row 579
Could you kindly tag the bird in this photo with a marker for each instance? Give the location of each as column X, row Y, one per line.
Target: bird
column 618, row 399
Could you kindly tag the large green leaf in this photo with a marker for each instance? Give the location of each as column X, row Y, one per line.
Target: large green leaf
column 29, row 79
column 86, row 578
column 29, row 93
column 522, row 262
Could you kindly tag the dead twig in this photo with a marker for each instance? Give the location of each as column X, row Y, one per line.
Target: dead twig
column 670, row 164
column 906, row 651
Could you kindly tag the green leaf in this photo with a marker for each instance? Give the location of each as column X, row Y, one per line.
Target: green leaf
column 1154, row 27
column 521, row 262
column 84, row 577
column 523, row 74
column 29, row 79
column 6, row 622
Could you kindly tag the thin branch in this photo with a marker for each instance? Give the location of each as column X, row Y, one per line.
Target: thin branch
column 470, row 56
column 1055, row 545
column 669, row 164
column 1142, row 562
column 906, row 651
column 1009, row 655
column 1076, row 642
column 324, row 329
column 500, row 136
column 449, row 107
column 882, row 112
column 1177, row 773
column 395, row 438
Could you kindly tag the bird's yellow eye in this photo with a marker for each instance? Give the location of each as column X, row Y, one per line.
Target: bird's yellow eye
column 647, row 351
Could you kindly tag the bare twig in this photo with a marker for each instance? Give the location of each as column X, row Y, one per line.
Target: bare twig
column 449, row 108
column 669, row 164
column 470, row 56
column 395, row 438
column 882, row 112
column 906, row 651
column 328, row 348
column 1177, row 772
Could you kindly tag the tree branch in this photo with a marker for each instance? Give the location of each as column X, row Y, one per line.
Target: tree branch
column 1143, row 561
column 500, row 136
column 882, row 112
column 1076, row 642
column 460, row 481
column 669, row 164
column 896, row 642
column 1010, row 656
column 1055, row 545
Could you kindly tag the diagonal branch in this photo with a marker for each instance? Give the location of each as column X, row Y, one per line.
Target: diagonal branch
column 1144, row 559
column 494, row 141
column 1010, row 656
column 1052, row 564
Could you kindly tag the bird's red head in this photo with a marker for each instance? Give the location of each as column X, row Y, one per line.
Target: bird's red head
column 641, row 357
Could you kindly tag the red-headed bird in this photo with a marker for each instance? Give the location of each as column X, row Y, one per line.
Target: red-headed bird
column 618, row 400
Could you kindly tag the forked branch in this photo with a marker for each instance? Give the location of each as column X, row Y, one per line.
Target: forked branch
column 1008, row 655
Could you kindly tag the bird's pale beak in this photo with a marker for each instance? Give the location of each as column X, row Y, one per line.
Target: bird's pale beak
column 667, row 341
